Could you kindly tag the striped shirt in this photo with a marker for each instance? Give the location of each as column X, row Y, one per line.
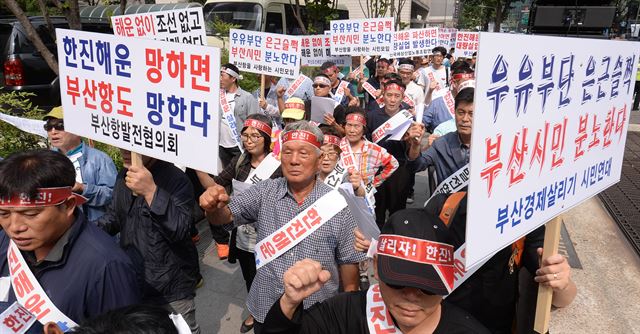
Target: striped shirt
column 270, row 205
column 370, row 158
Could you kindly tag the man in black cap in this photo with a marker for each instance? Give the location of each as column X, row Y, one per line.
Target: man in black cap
column 414, row 266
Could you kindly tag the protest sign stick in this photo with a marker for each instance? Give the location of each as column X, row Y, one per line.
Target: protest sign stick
column 262, row 86
column 545, row 293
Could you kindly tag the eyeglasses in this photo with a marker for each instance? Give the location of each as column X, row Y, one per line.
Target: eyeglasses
column 254, row 137
column 330, row 155
column 319, row 85
column 400, row 287
column 58, row 126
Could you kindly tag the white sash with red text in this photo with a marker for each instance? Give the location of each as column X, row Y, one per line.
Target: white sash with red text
column 264, row 170
column 369, row 89
column 379, row 319
column 448, row 99
column 398, row 120
column 230, row 118
column 340, row 91
column 16, row 319
column 30, row 294
column 296, row 84
column 300, row 227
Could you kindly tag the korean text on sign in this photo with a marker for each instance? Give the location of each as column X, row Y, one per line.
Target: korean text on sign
column 181, row 25
column 316, row 49
column 466, row 43
column 447, row 37
column 414, row 42
column 550, row 133
column 265, row 53
column 364, row 37
column 141, row 95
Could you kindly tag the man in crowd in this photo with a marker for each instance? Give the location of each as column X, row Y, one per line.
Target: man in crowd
column 52, row 250
column 490, row 294
column 410, row 289
column 391, row 196
column 414, row 92
column 381, row 69
column 273, row 205
column 95, row 171
column 439, row 71
column 345, row 95
column 151, row 209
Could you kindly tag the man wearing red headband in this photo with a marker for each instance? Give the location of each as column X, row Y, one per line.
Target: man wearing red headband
column 342, row 90
column 414, row 267
column 296, row 217
column 392, row 194
column 154, row 226
column 53, row 262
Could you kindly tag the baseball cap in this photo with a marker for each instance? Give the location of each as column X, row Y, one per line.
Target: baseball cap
column 414, row 250
column 293, row 108
column 56, row 112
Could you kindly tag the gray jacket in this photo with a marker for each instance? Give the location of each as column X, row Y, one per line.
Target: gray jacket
column 246, row 105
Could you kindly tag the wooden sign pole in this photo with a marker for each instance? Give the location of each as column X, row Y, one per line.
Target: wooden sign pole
column 262, row 78
column 545, row 293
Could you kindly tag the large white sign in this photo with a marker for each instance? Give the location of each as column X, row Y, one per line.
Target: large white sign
column 316, row 49
column 265, row 53
column 414, row 42
column 447, row 37
column 466, row 43
column 142, row 95
column 180, row 25
column 363, row 37
column 549, row 131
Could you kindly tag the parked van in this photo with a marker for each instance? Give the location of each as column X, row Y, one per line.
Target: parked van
column 275, row 16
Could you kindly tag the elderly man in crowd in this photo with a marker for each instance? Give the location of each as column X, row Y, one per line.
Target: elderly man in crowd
column 296, row 217
column 95, row 171
column 52, row 250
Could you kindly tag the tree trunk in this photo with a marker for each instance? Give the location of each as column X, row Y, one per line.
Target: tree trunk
column 47, row 19
column 73, row 15
column 123, row 6
column 498, row 19
column 33, row 35
column 298, row 16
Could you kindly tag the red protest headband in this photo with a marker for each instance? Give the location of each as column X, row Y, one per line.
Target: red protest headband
column 330, row 139
column 301, row 135
column 261, row 126
column 463, row 76
column 393, row 86
column 416, row 250
column 355, row 117
column 44, row 197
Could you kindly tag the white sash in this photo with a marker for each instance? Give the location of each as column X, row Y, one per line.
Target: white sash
column 448, row 99
column 398, row 120
column 30, row 294
column 453, row 183
column 379, row 319
column 299, row 228
column 432, row 78
column 334, row 179
column 370, row 89
column 264, row 170
column 348, row 161
column 340, row 91
column 75, row 159
column 296, row 84
column 406, row 99
column 230, row 118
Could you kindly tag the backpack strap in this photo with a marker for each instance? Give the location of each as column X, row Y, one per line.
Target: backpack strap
column 450, row 207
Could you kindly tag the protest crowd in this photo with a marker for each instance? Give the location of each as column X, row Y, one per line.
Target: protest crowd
column 315, row 175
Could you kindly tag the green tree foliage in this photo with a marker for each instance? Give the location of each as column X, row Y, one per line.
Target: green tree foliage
column 11, row 138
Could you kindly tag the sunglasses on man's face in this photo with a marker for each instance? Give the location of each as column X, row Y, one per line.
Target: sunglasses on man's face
column 320, row 85
column 58, row 126
column 400, row 287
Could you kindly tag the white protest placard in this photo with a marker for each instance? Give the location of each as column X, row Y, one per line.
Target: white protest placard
column 321, row 106
column 362, row 37
column 180, row 25
column 316, row 49
column 447, row 37
column 466, row 43
column 414, row 42
column 265, row 53
column 549, row 132
column 142, row 95
column 33, row 126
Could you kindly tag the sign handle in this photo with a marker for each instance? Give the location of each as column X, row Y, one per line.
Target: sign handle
column 545, row 293
column 262, row 86
column 136, row 160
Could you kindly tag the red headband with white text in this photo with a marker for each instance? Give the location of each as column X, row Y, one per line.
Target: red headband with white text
column 301, row 135
column 258, row 125
column 44, row 197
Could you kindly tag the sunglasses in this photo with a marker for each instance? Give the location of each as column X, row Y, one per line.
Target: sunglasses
column 58, row 126
column 320, row 85
column 400, row 287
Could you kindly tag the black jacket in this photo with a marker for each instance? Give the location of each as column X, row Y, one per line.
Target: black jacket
column 157, row 238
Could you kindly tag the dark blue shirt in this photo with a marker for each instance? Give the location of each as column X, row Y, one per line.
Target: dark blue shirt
column 398, row 149
column 436, row 114
column 92, row 275
column 447, row 154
